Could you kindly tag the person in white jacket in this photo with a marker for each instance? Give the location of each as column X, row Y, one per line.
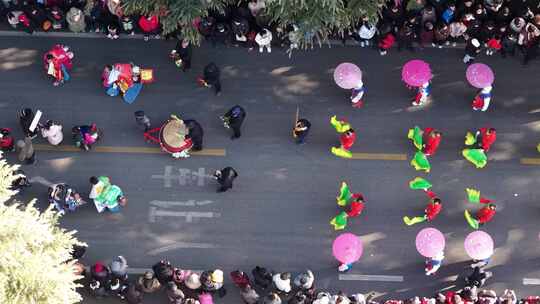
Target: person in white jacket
column 264, row 39
column 52, row 131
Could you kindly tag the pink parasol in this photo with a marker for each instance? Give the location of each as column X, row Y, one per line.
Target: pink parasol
column 479, row 245
column 347, row 248
column 416, row 72
column 480, row 75
column 347, row 75
column 429, row 242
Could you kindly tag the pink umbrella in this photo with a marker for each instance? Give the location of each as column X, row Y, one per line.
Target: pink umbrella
column 429, row 242
column 347, row 75
column 416, row 72
column 479, row 245
column 347, row 248
column 480, row 75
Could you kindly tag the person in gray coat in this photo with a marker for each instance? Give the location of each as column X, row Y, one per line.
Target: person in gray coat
column 26, row 151
column 119, row 267
column 75, row 20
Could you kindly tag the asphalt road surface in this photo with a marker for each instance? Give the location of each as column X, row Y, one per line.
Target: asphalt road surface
column 278, row 213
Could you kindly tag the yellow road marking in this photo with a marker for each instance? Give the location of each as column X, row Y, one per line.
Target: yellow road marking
column 138, row 150
column 530, row 161
column 379, row 156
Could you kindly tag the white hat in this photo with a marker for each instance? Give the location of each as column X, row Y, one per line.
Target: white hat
column 475, row 42
column 193, row 281
column 136, row 70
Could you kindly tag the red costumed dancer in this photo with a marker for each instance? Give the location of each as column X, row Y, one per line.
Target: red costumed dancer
column 432, row 140
column 356, row 206
column 486, row 214
column 57, row 63
column 432, row 210
column 486, row 138
column 347, row 139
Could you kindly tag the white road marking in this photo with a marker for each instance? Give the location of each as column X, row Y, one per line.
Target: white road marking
column 167, row 177
column 40, row 180
column 166, row 204
column 180, row 245
column 189, row 215
column 531, row 281
column 369, row 277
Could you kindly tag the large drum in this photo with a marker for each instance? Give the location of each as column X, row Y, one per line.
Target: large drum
column 172, row 136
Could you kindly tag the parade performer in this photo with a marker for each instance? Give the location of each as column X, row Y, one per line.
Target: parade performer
column 347, row 137
column 357, row 94
column 482, row 99
column 7, row 142
column 340, row 221
column 111, row 198
column 481, row 76
column 485, row 214
column 420, row 161
column 422, row 94
column 57, row 62
column 433, row 264
column 125, row 78
column 483, row 138
column 476, row 156
column 356, row 206
column 301, row 130
column 432, row 210
column 431, row 141
column 417, row 75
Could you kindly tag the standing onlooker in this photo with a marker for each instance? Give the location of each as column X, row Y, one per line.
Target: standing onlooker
column 221, row 34
column 148, row 283
column 94, row 13
column 150, row 26
column 56, row 17
column 52, row 131
column 75, row 20
column 127, row 25
column 119, row 268
column 264, row 39
column 7, row 142
column 456, row 31
column 26, row 151
column 426, row 35
column 26, row 116
column 509, row 43
column 406, row 36
column 233, row 119
column 212, row 77
column 387, row 39
column 440, row 34
column 366, row 32
column 175, row 295
column 528, row 42
column 134, row 294
column 494, row 45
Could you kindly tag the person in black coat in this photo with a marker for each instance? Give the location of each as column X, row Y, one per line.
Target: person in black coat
column 164, row 272
column 195, row 132
column 183, row 52
column 221, row 34
column 211, row 77
column 233, row 119
column 225, row 178
column 26, row 116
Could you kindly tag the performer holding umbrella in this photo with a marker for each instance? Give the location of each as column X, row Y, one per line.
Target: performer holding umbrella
column 417, row 75
column 481, row 76
column 349, row 76
column 347, row 249
column 430, row 243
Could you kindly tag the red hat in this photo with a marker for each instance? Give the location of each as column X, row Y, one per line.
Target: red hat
column 98, row 267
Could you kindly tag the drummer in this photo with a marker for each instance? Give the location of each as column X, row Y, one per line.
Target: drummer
column 195, row 133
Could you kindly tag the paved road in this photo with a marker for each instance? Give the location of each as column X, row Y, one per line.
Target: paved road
column 277, row 215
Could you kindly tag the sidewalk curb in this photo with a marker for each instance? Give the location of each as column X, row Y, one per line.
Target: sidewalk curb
column 14, row 33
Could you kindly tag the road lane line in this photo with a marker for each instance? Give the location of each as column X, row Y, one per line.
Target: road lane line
column 370, row 277
column 180, row 245
column 138, row 150
column 379, row 156
column 168, row 204
column 530, row 161
column 531, row 281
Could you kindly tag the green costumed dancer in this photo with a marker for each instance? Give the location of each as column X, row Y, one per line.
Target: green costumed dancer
column 476, row 156
column 345, row 195
column 341, row 126
column 420, row 162
column 419, row 183
column 484, row 215
column 416, row 135
column 340, row 221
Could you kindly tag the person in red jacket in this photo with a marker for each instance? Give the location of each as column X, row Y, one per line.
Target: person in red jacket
column 356, row 206
column 386, row 43
column 7, row 142
column 432, row 140
column 347, row 139
column 486, row 137
column 150, row 26
column 26, row 23
column 494, row 45
column 486, row 214
column 433, row 208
